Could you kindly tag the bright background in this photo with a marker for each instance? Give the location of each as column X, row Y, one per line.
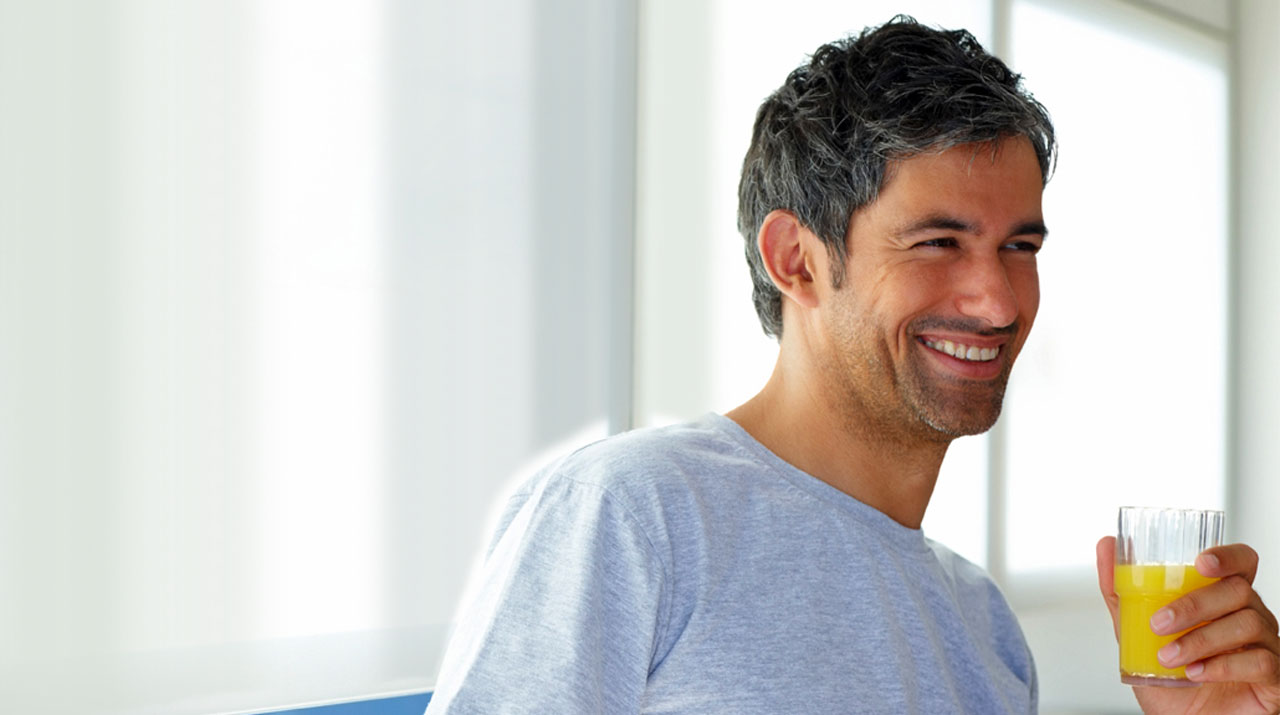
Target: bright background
column 291, row 292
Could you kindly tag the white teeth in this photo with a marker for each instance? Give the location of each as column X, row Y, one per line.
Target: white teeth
column 964, row 352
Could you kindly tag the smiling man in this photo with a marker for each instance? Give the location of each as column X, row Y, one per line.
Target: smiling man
column 902, row 336
column 771, row 560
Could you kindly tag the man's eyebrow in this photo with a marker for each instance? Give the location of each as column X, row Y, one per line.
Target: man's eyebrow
column 942, row 222
column 935, row 222
column 1031, row 228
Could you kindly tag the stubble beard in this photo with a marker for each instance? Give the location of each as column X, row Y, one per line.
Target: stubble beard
column 911, row 400
column 953, row 408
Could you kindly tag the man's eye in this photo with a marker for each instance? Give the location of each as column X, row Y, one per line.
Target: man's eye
column 937, row 243
column 1024, row 246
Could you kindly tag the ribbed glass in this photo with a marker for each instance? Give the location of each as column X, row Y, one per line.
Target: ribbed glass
column 1147, row 535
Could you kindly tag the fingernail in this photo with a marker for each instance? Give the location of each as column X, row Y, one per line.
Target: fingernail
column 1161, row 621
column 1168, row 653
column 1208, row 562
column 1195, row 669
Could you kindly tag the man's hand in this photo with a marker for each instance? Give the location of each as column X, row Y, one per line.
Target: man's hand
column 1236, row 653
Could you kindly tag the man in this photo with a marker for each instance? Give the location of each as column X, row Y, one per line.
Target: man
column 770, row 560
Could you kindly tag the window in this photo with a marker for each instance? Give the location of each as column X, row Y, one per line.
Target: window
column 1129, row 351
column 1128, row 355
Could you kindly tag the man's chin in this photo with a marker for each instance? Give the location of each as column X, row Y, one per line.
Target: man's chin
column 961, row 417
column 957, row 409
column 950, row 427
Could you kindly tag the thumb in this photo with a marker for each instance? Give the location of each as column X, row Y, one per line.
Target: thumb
column 1106, row 553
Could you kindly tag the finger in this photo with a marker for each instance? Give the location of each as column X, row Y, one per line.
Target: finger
column 1206, row 604
column 1255, row 665
column 1230, row 560
column 1231, row 633
column 1106, row 557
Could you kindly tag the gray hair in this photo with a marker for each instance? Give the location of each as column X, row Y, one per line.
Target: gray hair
column 822, row 141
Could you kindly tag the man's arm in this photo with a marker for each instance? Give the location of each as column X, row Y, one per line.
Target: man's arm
column 1235, row 654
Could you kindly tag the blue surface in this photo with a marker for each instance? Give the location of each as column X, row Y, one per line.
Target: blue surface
column 399, row 705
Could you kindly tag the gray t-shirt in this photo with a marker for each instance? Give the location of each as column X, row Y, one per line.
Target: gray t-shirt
column 687, row 569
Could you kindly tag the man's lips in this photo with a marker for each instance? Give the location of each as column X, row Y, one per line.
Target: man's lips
column 969, row 357
column 963, row 351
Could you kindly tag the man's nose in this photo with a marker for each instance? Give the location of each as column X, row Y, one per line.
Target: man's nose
column 984, row 291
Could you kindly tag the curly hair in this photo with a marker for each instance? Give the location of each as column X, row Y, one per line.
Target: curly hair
column 822, row 142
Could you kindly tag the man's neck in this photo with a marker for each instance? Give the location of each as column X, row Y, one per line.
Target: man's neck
column 892, row 473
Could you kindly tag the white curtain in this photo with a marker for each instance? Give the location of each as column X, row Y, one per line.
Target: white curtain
column 289, row 292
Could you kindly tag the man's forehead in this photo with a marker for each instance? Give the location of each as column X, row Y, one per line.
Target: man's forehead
column 989, row 151
column 973, row 188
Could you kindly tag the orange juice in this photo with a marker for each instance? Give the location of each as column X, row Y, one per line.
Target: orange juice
column 1143, row 590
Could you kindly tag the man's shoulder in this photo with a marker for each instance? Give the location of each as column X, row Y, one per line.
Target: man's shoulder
column 965, row 573
column 653, row 479
column 651, row 458
column 975, row 587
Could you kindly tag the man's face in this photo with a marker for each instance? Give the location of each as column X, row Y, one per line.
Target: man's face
column 940, row 291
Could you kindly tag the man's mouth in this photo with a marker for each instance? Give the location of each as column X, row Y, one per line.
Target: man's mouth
column 960, row 351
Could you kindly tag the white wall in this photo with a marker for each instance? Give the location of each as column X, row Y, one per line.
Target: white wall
column 1256, row 380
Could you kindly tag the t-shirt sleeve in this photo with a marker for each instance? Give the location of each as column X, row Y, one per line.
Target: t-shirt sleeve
column 565, row 614
column 1035, row 686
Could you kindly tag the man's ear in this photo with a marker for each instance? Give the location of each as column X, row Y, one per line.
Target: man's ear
column 788, row 248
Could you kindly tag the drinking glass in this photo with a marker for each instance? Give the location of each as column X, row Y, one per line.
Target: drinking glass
column 1156, row 551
